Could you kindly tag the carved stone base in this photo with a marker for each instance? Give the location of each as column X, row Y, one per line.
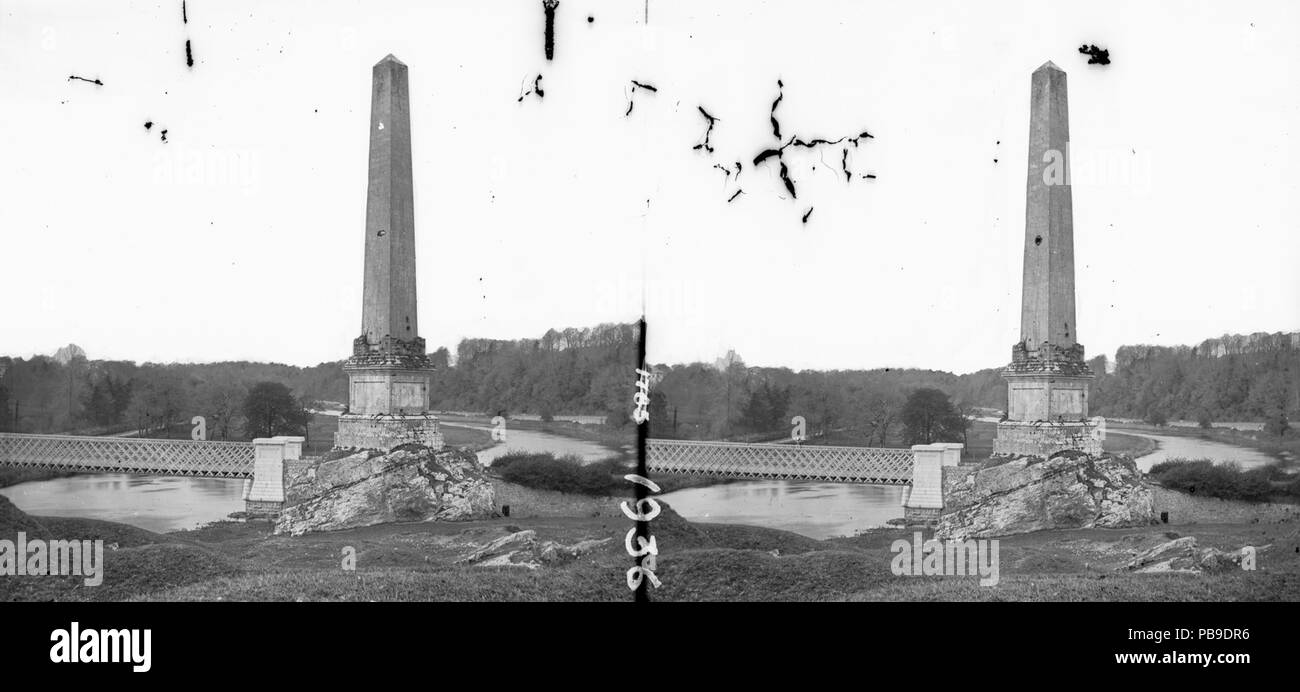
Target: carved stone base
column 921, row 516
column 1041, row 439
column 259, row 508
column 386, row 432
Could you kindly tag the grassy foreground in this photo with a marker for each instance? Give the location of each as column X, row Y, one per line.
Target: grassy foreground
column 402, row 562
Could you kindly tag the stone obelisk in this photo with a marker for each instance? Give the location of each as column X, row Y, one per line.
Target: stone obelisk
column 388, row 373
column 1047, row 381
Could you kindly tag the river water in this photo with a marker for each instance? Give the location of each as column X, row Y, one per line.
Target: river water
column 819, row 510
column 1174, row 447
column 170, row 504
column 824, row 510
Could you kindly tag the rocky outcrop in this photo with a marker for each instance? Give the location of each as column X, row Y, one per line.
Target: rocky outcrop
column 522, row 549
column 1183, row 555
column 1070, row 490
column 409, row 483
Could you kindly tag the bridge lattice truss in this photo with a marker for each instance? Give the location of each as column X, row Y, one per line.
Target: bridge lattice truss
column 209, row 459
column 877, row 466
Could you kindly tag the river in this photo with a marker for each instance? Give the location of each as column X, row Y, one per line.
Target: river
column 170, row 504
column 1178, row 447
column 819, row 510
column 824, row 510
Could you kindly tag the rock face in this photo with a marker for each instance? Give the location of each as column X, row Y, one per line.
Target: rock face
column 522, row 549
column 409, row 483
column 1183, row 555
column 1069, row 490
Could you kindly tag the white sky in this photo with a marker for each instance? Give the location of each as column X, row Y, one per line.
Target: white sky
column 242, row 237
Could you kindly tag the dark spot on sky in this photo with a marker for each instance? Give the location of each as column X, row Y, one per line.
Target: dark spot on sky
column 707, row 133
column 590, row 19
column 776, row 126
column 631, row 100
column 94, row 81
column 148, row 124
column 537, row 89
column 164, row 136
column 189, row 55
column 807, row 214
column 1096, row 56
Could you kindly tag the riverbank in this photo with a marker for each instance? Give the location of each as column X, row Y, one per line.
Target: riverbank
column 615, row 438
column 12, row 475
column 1284, row 448
column 697, row 562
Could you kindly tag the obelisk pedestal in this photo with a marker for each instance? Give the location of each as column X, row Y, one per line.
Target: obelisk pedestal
column 1047, row 381
column 389, row 371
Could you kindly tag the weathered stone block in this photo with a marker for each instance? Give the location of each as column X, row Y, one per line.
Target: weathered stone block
column 1043, row 439
column 411, row 483
column 1070, row 490
column 386, row 432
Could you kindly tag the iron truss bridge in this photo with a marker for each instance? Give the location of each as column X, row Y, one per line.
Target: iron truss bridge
column 877, row 466
column 128, row 455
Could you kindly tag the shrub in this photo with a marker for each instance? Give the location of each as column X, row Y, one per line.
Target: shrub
column 565, row 474
column 1204, row 477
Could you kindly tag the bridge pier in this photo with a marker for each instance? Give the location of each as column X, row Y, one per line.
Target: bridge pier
column 923, row 503
column 292, row 446
column 264, row 493
column 951, row 453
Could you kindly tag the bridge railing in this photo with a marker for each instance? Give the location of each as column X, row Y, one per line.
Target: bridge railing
column 920, row 467
column 128, row 455
column 881, row 466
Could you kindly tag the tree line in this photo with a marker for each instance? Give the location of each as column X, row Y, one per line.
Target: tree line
column 883, row 407
column 574, row 371
column 588, row 371
column 1159, row 384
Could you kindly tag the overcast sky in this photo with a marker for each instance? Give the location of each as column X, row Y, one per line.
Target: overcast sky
column 241, row 236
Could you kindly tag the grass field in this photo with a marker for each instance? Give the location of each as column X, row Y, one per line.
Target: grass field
column 697, row 562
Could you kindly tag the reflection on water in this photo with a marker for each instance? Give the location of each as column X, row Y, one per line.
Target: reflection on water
column 1173, row 447
column 819, row 510
column 149, row 502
